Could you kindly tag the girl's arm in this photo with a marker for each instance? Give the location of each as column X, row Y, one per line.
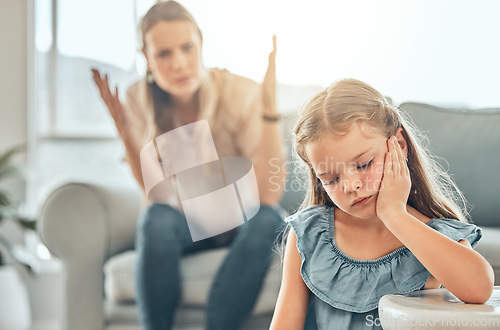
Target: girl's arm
column 269, row 164
column 463, row 271
column 293, row 299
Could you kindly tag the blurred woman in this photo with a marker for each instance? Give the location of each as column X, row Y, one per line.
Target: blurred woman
column 244, row 122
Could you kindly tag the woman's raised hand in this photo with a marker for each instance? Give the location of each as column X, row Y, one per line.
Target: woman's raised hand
column 113, row 103
column 269, row 84
column 396, row 183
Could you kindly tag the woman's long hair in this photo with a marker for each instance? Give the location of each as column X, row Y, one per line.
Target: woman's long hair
column 161, row 119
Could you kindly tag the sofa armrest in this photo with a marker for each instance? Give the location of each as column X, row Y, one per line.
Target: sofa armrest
column 84, row 224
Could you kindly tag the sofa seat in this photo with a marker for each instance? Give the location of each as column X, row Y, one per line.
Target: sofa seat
column 197, row 273
column 124, row 317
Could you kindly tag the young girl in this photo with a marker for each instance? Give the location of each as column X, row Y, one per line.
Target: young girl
column 381, row 216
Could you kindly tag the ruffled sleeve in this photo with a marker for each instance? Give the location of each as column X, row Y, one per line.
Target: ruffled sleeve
column 457, row 230
column 357, row 285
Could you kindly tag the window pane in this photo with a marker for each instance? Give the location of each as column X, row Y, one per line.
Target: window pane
column 43, row 43
column 91, row 33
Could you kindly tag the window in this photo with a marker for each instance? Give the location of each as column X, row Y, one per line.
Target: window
column 76, row 137
column 82, row 35
column 428, row 51
column 442, row 52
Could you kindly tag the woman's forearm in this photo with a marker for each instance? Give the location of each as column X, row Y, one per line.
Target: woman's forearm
column 133, row 152
column 270, row 163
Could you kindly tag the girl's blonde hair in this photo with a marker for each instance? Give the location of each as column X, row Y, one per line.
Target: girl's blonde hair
column 349, row 101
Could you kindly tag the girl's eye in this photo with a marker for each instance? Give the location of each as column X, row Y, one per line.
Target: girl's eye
column 365, row 166
column 361, row 167
column 329, row 182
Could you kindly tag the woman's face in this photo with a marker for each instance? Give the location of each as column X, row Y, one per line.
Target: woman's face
column 351, row 167
column 173, row 53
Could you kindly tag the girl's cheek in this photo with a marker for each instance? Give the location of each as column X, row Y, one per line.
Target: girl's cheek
column 374, row 177
column 371, row 182
column 335, row 196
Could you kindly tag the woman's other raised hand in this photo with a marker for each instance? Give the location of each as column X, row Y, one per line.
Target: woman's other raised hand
column 269, row 84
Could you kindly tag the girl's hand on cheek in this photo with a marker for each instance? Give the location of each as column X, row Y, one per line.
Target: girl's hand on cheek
column 396, row 183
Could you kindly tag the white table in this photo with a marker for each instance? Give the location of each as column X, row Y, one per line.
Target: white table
column 438, row 309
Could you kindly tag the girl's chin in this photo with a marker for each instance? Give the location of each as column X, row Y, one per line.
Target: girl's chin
column 370, row 216
column 365, row 213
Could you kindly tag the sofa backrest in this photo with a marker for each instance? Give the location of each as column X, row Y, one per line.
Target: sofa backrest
column 466, row 141
column 296, row 183
column 468, row 144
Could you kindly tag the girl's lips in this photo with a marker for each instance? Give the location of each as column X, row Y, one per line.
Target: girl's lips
column 363, row 201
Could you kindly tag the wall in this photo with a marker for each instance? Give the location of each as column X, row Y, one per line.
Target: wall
column 13, row 86
column 13, row 79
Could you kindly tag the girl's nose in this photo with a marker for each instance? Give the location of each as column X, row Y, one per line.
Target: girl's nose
column 353, row 185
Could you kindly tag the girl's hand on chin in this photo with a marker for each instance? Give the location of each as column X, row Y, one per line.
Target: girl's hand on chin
column 396, row 183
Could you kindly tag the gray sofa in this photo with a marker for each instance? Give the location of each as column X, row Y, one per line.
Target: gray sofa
column 91, row 227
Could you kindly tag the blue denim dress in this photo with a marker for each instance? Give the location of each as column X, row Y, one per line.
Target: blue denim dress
column 346, row 290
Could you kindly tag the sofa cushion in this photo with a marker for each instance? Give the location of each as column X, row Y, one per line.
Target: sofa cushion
column 197, row 273
column 469, row 141
column 296, row 183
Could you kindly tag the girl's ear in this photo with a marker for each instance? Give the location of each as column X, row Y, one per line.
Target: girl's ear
column 402, row 141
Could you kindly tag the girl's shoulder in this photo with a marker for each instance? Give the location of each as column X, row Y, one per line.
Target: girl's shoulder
column 313, row 218
column 457, row 230
column 313, row 211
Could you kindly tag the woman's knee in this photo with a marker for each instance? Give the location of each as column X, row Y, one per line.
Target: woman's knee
column 159, row 221
column 269, row 215
column 266, row 222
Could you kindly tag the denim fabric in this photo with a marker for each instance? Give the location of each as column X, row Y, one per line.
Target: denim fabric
column 347, row 290
column 310, row 323
column 163, row 238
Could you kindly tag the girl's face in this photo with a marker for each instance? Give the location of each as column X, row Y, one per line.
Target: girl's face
column 173, row 53
column 350, row 167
